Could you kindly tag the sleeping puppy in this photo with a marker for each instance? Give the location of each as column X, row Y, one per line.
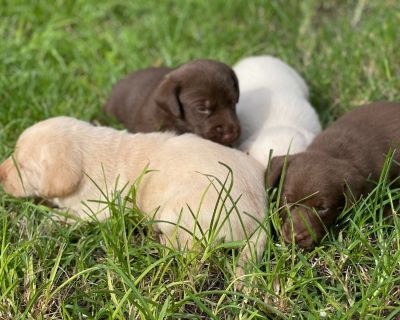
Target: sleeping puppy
column 199, row 97
column 338, row 167
column 66, row 161
column 273, row 108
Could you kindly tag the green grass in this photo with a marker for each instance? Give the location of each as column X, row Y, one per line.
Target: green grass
column 62, row 57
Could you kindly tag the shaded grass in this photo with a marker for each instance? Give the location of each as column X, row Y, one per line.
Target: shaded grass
column 62, row 57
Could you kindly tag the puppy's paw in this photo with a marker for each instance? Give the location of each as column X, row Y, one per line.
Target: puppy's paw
column 243, row 281
column 304, row 239
column 239, row 278
column 65, row 217
column 302, row 236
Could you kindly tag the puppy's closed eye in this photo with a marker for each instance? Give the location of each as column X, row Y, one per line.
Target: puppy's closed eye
column 205, row 108
column 322, row 210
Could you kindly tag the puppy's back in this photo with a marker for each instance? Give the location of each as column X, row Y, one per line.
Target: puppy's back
column 383, row 114
column 374, row 123
column 130, row 94
column 53, row 129
column 181, row 180
column 269, row 72
column 363, row 137
column 182, row 153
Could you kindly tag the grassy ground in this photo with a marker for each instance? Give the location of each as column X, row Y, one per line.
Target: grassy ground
column 62, row 57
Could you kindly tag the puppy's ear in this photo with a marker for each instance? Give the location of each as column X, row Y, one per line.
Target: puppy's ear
column 167, row 96
column 274, row 171
column 61, row 170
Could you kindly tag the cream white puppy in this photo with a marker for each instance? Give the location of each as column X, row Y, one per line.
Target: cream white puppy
column 66, row 161
column 273, row 108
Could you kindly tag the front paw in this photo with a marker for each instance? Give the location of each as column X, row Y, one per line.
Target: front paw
column 306, row 234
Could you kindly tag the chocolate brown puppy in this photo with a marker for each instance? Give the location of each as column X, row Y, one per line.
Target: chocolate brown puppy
column 199, row 97
column 339, row 166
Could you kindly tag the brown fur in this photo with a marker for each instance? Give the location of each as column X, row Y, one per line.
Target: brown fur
column 341, row 163
column 199, row 97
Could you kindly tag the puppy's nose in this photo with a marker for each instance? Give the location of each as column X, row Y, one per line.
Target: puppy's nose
column 5, row 168
column 228, row 133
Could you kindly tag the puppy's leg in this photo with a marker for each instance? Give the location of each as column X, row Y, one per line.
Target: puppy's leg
column 171, row 228
column 65, row 216
column 252, row 251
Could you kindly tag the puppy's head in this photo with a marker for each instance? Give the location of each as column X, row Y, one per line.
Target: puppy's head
column 44, row 164
column 316, row 188
column 203, row 94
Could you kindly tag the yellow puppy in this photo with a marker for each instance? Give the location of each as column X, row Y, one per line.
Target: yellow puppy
column 66, row 161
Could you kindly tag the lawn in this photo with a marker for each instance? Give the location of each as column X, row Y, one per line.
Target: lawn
column 62, row 57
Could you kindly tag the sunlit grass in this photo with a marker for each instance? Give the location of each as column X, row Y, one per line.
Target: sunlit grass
column 62, row 57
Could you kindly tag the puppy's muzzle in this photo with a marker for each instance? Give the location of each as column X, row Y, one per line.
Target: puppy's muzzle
column 226, row 134
column 5, row 167
column 2, row 174
column 10, row 179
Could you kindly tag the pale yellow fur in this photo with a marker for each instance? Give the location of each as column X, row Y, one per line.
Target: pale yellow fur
column 58, row 159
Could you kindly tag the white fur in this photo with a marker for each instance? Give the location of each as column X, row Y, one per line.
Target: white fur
column 273, row 108
column 58, row 159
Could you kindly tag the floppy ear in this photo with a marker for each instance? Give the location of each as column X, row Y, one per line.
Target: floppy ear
column 167, row 96
column 60, row 170
column 274, row 171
